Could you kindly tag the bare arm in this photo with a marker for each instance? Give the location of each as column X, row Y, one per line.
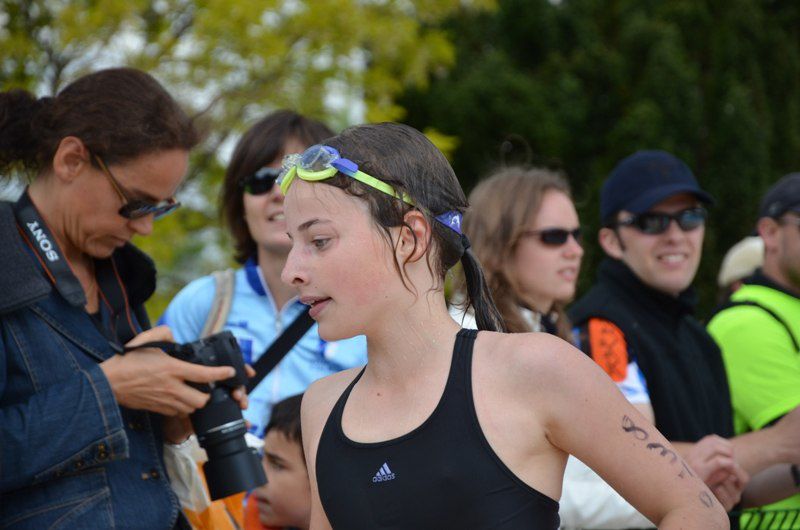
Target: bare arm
column 771, row 485
column 587, row 416
column 778, row 444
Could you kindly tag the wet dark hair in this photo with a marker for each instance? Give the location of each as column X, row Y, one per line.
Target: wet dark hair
column 118, row 113
column 285, row 418
column 260, row 146
column 404, row 158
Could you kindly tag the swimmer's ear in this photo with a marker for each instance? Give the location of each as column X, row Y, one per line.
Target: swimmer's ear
column 415, row 237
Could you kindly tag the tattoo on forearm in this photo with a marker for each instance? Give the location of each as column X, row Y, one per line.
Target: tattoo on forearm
column 706, row 499
column 629, row 426
column 664, row 451
column 686, row 470
column 640, row 434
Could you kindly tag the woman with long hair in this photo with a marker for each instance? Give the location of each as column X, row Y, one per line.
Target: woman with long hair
column 444, row 427
column 526, row 234
column 525, row 231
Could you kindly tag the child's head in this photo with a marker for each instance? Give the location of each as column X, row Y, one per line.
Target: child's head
column 331, row 235
column 285, row 500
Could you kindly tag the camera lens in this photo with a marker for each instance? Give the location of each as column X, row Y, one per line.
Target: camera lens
column 232, row 466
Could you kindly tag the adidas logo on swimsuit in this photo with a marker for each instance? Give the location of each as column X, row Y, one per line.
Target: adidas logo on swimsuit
column 383, row 474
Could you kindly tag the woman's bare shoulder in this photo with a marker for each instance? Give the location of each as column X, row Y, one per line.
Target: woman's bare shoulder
column 535, row 351
column 535, row 362
column 321, row 396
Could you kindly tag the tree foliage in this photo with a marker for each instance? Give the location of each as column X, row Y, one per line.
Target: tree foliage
column 231, row 61
column 579, row 84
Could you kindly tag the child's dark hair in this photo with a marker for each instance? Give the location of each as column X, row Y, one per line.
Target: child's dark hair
column 118, row 113
column 404, row 158
column 261, row 145
column 285, row 418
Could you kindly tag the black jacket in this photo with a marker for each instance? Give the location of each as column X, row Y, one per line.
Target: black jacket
column 681, row 363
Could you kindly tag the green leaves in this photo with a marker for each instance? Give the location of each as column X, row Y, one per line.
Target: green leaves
column 338, row 60
column 579, row 84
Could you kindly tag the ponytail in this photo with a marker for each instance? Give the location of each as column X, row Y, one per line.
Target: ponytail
column 479, row 296
column 20, row 112
column 118, row 113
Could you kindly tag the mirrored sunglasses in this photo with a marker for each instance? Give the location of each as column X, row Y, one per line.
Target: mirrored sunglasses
column 136, row 209
column 261, row 181
column 654, row 223
column 555, row 237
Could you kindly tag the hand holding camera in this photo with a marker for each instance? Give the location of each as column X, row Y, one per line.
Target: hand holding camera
column 149, row 379
column 201, row 378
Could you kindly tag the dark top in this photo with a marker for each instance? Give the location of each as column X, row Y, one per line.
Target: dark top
column 681, row 363
column 443, row 474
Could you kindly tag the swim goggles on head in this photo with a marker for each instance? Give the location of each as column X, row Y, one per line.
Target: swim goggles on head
column 320, row 162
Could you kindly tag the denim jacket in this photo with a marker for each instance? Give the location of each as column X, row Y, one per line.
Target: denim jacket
column 70, row 456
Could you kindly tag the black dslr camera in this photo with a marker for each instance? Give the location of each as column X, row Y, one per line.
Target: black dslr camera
column 232, row 466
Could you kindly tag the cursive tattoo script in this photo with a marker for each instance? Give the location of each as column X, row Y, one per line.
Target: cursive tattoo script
column 706, row 499
column 629, row 426
column 664, row 451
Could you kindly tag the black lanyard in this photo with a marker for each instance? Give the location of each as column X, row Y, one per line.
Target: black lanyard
column 119, row 326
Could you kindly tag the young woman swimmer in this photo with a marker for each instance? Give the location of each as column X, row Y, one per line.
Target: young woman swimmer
column 445, row 428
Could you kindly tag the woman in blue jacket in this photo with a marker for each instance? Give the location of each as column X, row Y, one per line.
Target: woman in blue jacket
column 82, row 425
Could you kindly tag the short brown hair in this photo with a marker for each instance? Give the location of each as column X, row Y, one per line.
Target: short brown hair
column 259, row 146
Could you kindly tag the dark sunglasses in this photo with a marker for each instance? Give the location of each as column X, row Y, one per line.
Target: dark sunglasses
column 654, row 223
column 261, row 181
column 554, row 237
column 137, row 208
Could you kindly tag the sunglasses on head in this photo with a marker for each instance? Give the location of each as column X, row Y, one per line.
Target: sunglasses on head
column 653, row 223
column 554, row 237
column 261, row 181
column 137, row 208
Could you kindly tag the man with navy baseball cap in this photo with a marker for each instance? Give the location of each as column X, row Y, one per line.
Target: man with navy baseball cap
column 637, row 320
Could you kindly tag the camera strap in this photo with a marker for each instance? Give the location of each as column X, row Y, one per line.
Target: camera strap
column 280, row 347
column 119, row 326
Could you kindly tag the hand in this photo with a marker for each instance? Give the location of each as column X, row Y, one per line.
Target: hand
column 176, row 429
column 729, row 492
column 712, row 459
column 240, row 394
column 149, row 379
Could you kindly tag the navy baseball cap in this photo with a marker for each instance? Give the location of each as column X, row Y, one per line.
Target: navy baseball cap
column 782, row 197
column 644, row 179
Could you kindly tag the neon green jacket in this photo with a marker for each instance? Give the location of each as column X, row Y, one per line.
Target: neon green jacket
column 759, row 348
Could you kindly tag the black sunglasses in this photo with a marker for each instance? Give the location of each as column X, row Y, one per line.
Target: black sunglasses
column 137, row 208
column 261, row 181
column 654, row 223
column 554, row 237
